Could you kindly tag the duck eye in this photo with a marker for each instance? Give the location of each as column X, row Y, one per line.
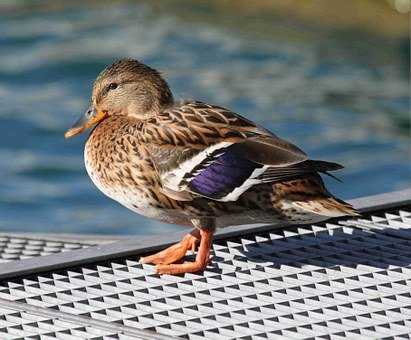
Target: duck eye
column 112, row 86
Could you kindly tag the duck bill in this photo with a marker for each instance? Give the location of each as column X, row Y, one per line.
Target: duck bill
column 90, row 118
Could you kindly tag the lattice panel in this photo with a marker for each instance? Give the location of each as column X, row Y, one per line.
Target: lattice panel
column 21, row 325
column 18, row 248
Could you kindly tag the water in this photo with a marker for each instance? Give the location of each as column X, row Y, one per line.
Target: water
column 341, row 97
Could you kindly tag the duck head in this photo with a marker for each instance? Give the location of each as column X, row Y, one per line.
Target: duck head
column 127, row 88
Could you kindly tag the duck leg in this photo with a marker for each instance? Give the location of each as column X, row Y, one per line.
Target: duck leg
column 175, row 252
column 203, row 255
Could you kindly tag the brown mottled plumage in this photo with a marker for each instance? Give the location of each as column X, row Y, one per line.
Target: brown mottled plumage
column 193, row 163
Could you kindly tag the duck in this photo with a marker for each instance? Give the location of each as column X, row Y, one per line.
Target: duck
column 195, row 164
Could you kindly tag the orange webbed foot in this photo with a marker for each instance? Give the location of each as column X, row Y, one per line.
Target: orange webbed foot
column 175, row 252
column 200, row 263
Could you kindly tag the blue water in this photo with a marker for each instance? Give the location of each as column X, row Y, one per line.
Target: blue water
column 341, row 98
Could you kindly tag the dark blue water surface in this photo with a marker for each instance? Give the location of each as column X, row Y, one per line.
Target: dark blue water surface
column 338, row 100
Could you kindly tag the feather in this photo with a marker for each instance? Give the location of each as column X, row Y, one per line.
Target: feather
column 177, row 195
column 274, row 174
column 270, row 150
column 327, row 206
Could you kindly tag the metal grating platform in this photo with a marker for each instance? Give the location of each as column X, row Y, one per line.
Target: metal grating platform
column 343, row 279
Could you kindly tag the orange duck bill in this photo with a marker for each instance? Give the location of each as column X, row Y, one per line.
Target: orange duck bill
column 90, row 118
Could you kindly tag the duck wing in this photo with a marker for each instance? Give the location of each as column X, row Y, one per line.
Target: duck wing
column 205, row 150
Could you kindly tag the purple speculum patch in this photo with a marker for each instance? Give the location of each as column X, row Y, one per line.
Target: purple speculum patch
column 227, row 172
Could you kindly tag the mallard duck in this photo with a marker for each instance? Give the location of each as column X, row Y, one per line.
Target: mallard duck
column 194, row 164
